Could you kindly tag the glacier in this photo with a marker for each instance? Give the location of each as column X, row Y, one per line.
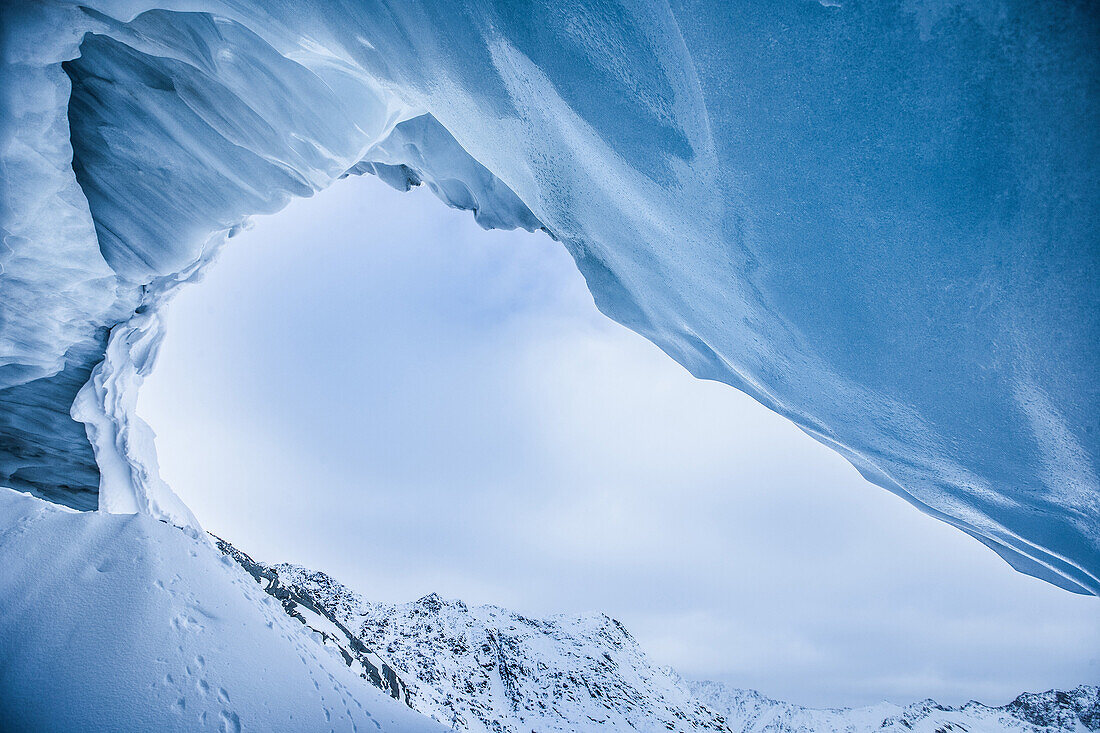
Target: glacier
column 878, row 219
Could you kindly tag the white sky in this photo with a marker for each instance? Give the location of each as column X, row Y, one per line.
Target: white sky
column 370, row 385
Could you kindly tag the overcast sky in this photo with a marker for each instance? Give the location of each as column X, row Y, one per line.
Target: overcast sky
column 370, row 385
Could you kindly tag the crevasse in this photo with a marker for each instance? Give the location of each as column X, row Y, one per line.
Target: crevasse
column 878, row 219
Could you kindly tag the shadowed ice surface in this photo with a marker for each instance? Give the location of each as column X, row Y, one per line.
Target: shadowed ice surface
column 878, row 219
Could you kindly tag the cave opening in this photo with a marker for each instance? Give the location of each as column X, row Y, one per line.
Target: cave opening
column 369, row 384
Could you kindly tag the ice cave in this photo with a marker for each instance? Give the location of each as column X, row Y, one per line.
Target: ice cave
column 879, row 220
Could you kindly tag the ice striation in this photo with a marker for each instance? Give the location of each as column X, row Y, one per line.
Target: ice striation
column 880, row 220
column 490, row 670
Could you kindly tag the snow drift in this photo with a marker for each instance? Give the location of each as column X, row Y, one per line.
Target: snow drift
column 879, row 219
column 111, row 622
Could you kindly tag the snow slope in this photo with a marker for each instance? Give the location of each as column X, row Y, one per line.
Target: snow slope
column 880, row 219
column 125, row 623
column 486, row 669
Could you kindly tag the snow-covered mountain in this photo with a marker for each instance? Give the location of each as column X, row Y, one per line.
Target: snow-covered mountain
column 747, row 711
column 489, row 670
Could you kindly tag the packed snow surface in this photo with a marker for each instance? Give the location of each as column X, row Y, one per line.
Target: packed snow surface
column 880, row 219
column 124, row 623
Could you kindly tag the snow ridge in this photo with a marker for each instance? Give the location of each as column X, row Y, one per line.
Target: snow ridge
column 322, row 616
column 486, row 669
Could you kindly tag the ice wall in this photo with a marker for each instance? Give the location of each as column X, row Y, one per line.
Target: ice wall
column 879, row 219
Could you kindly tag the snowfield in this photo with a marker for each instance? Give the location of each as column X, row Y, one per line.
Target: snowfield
column 124, row 623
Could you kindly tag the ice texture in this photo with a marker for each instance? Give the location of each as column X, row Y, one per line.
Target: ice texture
column 879, row 219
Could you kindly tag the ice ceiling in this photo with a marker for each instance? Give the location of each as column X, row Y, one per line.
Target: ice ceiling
column 878, row 219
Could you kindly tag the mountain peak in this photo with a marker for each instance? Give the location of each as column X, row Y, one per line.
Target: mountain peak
column 486, row 669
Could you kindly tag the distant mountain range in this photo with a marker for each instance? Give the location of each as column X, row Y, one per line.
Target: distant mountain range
column 748, row 711
column 489, row 670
